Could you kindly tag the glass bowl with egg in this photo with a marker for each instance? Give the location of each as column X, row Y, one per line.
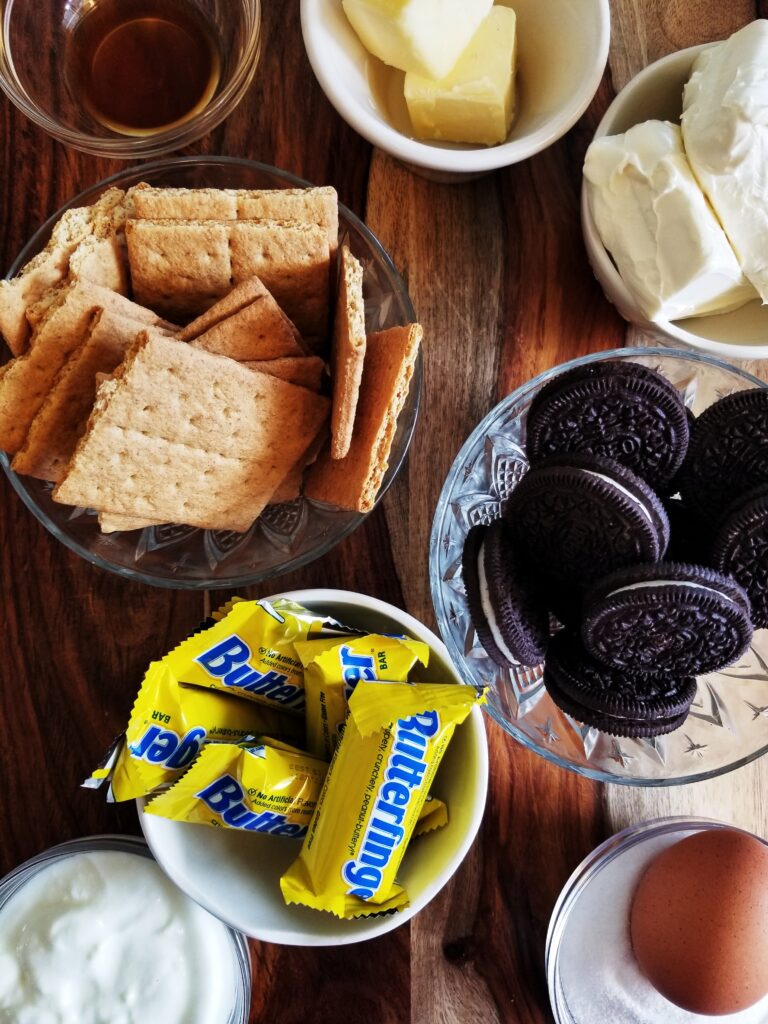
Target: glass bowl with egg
column 561, row 52
column 644, row 912
column 93, row 928
column 690, row 269
column 725, row 728
column 128, row 80
column 286, row 535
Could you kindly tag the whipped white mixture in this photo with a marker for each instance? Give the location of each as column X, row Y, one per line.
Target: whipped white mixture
column 107, row 938
column 725, row 131
column 654, row 219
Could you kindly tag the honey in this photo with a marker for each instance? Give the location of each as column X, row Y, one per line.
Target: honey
column 143, row 66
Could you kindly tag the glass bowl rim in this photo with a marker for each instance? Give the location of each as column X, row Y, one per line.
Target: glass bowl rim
column 17, row 877
column 597, row 859
column 138, row 171
column 131, row 147
column 518, row 395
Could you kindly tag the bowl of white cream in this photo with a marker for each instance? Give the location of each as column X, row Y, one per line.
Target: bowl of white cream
column 94, row 931
column 673, row 205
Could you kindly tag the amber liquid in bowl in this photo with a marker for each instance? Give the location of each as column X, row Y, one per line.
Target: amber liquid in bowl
column 140, row 68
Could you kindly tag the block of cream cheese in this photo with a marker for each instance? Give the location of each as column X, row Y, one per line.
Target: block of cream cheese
column 425, row 36
column 725, row 131
column 655, row 221
column 475, row 102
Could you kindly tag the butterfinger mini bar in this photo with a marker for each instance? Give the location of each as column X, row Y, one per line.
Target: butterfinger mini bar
column 249, row 653
column 374, row 792
column 332, row 669
column 267, row 787
column 168, row 726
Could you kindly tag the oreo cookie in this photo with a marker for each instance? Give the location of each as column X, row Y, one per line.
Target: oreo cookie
column 682, row 619
column 579, row 517
column 728, row 453
column 511, row 623
column 613, row 409
column 740, row 548
column 618, row 703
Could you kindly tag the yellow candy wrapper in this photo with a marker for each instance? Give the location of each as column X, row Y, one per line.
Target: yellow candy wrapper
column 249, row 653
column 270, row 788
column 169, row 725
column 383, row 768
column 332, row 669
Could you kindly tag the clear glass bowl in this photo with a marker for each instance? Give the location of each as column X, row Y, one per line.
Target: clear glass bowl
column 284, row 537
column 16, row 879
column 34, row 37
column 592, row 974
column 727, row 724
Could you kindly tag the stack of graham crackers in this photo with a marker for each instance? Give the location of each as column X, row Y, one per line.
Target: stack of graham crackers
column 173, row 360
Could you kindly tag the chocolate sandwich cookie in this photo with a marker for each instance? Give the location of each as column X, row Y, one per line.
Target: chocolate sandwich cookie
column 670, row 617
column 576, row 518
column 617, row 410
column 740, row 548
column 511, row 622
column 618, row 703
column 728, row 453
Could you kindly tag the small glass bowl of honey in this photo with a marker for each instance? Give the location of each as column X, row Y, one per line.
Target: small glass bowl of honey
column 128, row 78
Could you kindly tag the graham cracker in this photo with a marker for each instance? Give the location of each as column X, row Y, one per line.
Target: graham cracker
column 186, row 436
column 101, row 261
column 179, row 268
column 354, row 481
column 110, row 522
column 63, row 415
column 247, row 324
column 51, row 266
column 304, row 371
column 347, row 352
column 318, row 206
column 28, row 378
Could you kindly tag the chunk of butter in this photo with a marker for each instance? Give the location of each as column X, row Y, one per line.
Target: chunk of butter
column 655, row 221
column 424, row 36
column 725, row 131
column 476, row 101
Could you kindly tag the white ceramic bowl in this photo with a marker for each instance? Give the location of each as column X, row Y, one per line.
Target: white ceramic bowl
column 563, row 49
column 236, row 876
column 657, row 93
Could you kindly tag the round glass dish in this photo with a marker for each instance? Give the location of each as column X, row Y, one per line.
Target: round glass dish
column 284, row 537
column 34, row 38
column 726, row 726
column 592, row 974
column 18, row 878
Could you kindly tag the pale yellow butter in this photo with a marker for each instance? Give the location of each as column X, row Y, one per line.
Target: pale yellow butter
column 424, row 36
column 476, row 101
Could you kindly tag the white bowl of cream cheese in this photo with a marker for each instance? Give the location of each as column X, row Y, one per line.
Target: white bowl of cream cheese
column 93, row 931
column 236, row 875
column 656, row 93
column 562, row 52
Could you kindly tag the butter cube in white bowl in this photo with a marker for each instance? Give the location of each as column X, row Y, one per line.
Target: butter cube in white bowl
column 561, row 52
column 656, row 94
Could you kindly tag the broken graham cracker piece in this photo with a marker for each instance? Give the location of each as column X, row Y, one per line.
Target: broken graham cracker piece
column 354, row 481
column 111, row 522
column 347, row 352
column 186, row 436
column 247, row 324
column 318, row 206
column 51, row 266
column 181, row 268
column 62, row 418
column 304, row 371
column 27, row 379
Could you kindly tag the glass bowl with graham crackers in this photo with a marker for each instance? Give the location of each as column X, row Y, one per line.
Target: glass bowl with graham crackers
column 212, row 373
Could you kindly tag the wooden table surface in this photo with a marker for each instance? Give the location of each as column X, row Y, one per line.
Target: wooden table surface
column 498, row 275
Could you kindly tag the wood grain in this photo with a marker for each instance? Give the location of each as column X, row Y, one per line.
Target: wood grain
column 498, row 275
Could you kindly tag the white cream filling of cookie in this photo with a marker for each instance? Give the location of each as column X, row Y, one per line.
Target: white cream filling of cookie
column 485, row 603
column 623, row 490
column 686, row 584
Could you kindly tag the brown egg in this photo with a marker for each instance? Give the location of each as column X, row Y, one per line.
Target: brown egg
column 699, row 922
